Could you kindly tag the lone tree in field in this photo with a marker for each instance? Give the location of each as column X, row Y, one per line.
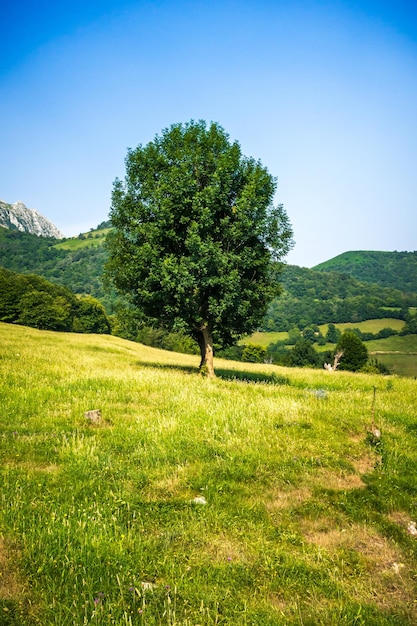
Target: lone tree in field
column 197, row 242
column 354, row 352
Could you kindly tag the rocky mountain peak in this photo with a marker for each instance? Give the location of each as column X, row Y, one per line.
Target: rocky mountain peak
column 18, row 217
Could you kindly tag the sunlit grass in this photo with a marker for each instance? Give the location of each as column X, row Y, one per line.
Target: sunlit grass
column 369, row 326
column 304, row 521
column 92, row 239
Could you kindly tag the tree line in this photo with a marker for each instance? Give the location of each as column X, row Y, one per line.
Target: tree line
column 33, row 301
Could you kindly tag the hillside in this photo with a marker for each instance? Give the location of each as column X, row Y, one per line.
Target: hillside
column 309, row 296
column 199, row 501
column 388, row 269
column 76, row 263
column 318, row 297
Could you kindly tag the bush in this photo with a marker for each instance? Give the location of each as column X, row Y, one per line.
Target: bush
column 355, row 354
column 302, row 354
column 253, row 354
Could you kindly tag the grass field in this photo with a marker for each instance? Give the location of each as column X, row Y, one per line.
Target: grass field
column 264, row 339
column 92, row 239
column 399, row 353
column 369, row 326
column 257, row 498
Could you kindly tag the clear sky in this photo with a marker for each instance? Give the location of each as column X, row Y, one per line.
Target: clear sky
column 324, row 93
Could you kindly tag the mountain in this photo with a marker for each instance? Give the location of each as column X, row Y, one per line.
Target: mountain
column 388, row 269
column 18, row 217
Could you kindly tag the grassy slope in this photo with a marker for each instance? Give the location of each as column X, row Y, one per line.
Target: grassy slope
column 92, row 239
column 305, row 522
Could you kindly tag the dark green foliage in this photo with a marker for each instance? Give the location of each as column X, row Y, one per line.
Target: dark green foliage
column 410, row 326
column 40, row 309
column 333, row 334
column 388, row 269
column 309, row 296
column 173, row 341
column 309, row 335
column 233, row 353
column 294, row 334
column 104, row 225
column 90, row 317
column 355, row 353
column 196, row 243
column 302, row 354
column 33, row 301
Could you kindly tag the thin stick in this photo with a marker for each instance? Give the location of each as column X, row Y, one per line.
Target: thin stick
column 373, row 409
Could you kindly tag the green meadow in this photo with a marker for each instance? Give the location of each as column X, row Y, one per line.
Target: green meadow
column 369, row 326
column 93, row 239
column 258, row 498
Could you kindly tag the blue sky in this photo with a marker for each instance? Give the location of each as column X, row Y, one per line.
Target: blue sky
column 324, row 93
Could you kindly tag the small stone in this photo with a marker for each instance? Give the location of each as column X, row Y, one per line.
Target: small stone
column 94, row 416
column 199, row 500
column 147, row 586
column 397, row 567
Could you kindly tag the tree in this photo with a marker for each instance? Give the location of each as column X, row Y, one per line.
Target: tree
column 309, row 334
column 303, row 354
column 333, row 334
column 40, row 309
column 355, row 353
column 197, row 243
column 294, row 334
column 90, row 317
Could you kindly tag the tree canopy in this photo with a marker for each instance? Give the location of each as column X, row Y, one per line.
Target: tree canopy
column 197, row 243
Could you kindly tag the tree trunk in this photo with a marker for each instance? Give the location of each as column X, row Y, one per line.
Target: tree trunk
column 205, row 342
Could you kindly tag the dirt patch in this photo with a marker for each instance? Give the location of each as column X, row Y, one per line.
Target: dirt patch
column 340, row 480
column 10, row 585
column 224, row 549
column 352, row 537
column 399, row 517
column 382, row 575
column 286, row 499
column 344, row 479
column 365, row 464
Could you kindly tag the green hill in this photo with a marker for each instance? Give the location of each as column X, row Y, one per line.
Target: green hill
column 388, row 269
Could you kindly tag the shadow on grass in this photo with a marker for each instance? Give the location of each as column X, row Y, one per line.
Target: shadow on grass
column 252, row 377
column 223, row 373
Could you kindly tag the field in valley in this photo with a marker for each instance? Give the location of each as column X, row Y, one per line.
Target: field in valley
column 258, row 498
column 398, row 353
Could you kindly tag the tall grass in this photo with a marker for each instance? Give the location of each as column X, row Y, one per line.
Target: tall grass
column 255, row 498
